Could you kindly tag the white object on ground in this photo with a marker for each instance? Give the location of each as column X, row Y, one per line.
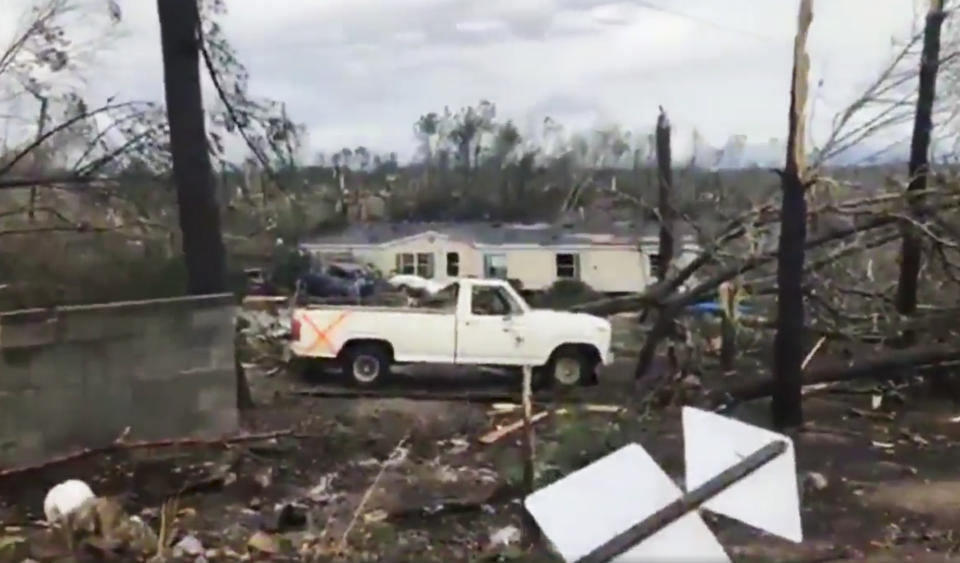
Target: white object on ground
column 589, row 507
column 713, row 443
column 63, row 499
column 189, row 545
column 505, row 536
column 416, row 282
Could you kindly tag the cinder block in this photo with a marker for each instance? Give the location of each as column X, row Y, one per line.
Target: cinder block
column 40, row 332
column 14, row 377
column 62, row 366
column 221, row 422
column 222, row 353
column 219, row 397
column 215, row 318
column 162, row 367
column 27, row 447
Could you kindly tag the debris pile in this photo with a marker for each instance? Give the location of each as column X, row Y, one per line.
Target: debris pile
column 262, row 334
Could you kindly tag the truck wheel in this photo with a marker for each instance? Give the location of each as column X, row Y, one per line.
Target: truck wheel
column 568, row 367
column 366, row 364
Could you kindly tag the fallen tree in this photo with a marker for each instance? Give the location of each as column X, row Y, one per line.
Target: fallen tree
column 878, row 366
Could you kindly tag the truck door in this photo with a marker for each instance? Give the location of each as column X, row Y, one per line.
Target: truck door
column 492, row 330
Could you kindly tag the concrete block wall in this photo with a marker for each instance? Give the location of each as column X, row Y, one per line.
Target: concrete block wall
column 77, row 376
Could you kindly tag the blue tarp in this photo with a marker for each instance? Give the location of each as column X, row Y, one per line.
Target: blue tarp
column 715, row 308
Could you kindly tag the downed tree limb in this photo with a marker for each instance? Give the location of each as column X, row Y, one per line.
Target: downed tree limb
column 813, row 352
column 122, row 445
column 882, row 365
column 504, row 408
column 498, row 433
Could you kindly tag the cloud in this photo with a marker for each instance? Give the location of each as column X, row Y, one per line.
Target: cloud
column 362, row 71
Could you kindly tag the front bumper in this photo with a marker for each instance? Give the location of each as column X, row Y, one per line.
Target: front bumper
column 608, row 358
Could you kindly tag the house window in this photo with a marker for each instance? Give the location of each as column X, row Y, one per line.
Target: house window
column 425, row 264
column 453, row 264
column 656, row 266
column 495, row 266
column 420, row 264
column 568, row 266
column 406, row 263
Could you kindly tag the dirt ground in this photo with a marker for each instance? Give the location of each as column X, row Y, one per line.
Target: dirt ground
column 402, row 480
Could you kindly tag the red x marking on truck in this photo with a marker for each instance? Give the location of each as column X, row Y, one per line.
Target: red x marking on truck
column 322, row 335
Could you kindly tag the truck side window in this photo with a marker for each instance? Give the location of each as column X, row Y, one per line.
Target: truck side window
column 488, row 300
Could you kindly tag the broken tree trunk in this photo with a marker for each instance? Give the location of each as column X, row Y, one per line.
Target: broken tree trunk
column 880, row 366
column 788, row 350
column 664, row 318
column 911, row 248
column 199, row 213
column 728, row 328
column 665, row 177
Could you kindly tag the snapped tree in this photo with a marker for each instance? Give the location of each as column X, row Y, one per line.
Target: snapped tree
column 199, row 213
column 788, row 344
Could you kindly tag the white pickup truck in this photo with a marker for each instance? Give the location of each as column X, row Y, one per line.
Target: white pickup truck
column 470, row 322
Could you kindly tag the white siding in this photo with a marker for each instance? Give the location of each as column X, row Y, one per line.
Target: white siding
column 610, row 270
column 471, row 263
column 606, row 269
column 614, row 270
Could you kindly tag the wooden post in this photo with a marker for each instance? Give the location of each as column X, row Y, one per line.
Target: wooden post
column 532, row 531
column 528, row 446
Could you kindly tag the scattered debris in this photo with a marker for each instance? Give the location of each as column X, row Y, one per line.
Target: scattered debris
column 505, row 537
column 813, row 352
column 397, row 456
column 378, row 515
column 320, row 493
column 872, row 414
column 498, row 433
column 815, row 481
column 263, row 542
column 504, row 408
column 188, row 546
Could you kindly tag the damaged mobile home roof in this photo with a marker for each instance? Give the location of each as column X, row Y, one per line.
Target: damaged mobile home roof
column 375, row 234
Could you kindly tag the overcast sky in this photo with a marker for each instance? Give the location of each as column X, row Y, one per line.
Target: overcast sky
column 360, row 72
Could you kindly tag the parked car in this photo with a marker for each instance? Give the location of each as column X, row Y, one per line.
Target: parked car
column 342, row 279
column 411, row 281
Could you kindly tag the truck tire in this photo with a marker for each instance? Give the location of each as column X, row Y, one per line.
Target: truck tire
column 567, row 367
column 366, row 365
